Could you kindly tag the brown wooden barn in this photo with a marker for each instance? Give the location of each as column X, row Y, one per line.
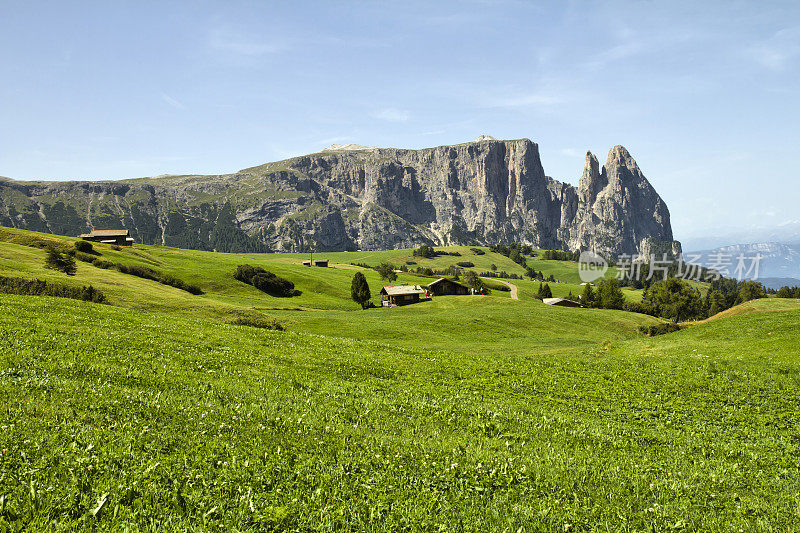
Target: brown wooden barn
column 120, row 237
column 443, row 286
column 401, row 294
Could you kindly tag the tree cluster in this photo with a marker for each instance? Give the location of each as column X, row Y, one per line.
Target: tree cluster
column 788, row 292
column 265, row 281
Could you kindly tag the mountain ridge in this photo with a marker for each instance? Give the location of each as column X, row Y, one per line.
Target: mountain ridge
column 484, row 191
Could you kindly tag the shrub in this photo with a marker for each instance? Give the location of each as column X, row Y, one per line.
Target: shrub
column 386, row 271
column 85, row 247
column 273, row 285
column 139, row 271
column 265, row 281
column 411, row 262
column 245, row 273
column 60, row 261
column 426, row 251
column 639, row 307
column 38, row 287
column 102, row 263
column 254, row 322
column 116, row 247
column 86, row 258
column 466, row 264
column 172, row 281
column 477, row 251
column 659, row 329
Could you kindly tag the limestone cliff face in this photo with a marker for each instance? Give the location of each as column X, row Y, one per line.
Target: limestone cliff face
column 487, row 191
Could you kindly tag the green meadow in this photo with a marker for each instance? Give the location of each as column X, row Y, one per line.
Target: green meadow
column 468, row 413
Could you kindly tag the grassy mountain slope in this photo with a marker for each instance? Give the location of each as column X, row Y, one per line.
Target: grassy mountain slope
column 471, row 413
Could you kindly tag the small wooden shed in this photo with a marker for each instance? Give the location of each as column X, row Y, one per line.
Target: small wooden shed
column 120, row 237
column 401, row 294
column 444, row 286
column 561, row 302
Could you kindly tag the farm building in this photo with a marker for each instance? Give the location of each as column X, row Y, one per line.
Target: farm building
column 401, row 294
column 562, row 302
column 444, row 286
column 318, row 262
column 120, row 237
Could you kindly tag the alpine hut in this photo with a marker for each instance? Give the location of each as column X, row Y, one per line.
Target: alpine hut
column 395, row 295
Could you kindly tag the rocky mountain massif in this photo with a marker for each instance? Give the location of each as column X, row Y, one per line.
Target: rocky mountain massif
column 351, row 197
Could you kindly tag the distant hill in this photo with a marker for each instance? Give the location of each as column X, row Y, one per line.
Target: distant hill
column 780, row 264
column 354, row 197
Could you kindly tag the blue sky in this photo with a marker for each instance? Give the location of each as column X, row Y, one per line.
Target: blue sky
column 705, row 95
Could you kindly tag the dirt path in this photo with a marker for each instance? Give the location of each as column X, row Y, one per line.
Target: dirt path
column 509, row 285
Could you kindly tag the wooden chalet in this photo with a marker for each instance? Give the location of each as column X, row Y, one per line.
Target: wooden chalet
column 561, row 302
column 120, row 237
column 443, row 286
column 401, row 294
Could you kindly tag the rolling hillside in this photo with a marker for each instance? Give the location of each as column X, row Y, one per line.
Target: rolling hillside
column 461, row 413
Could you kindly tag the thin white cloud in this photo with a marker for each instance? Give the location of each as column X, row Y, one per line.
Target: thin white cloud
column 777, row 52
column 437, row 132
column 172, row 101
column 392, row 114
column 225, row 40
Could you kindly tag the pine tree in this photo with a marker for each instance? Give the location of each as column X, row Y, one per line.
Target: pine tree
column 60, row 261
column 359, row 290
column 546, row 292
column 588, row 296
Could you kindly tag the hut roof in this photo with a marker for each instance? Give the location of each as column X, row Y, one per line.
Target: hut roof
column 397, row 290
column 107, row 233
column 432, row 283
column 562, row 301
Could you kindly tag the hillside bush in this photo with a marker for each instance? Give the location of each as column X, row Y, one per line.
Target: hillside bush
column 273, row 285
column 265, row 281
column 102, row 263
column 63, row 262
column 477, row 251
column 84, row 246
column 146, row 273
column 466, row 264
column 39, row 287
column 86, row 258
column 426, row 251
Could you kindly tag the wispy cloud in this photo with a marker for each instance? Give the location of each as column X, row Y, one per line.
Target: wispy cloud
column 392, row 114
column 437, row 132
column 172, row 101
column 777, row 52
column 228, row 41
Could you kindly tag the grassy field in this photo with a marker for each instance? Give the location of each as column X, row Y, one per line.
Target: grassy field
column 455, row 414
